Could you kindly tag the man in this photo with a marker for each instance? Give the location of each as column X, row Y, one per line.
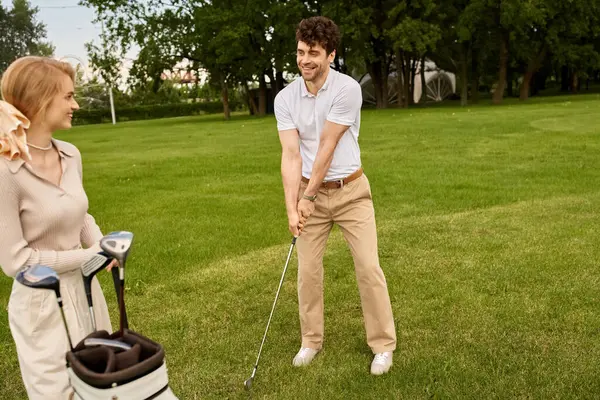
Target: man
column 318, row 118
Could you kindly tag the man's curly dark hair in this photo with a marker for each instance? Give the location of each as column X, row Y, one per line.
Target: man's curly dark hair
column 319, row 30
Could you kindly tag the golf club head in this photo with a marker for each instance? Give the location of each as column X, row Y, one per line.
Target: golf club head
column 107, row 342
column 89, row 269
column 117, row 245
column 39, row 277
column 95, row 264
column 248, row 383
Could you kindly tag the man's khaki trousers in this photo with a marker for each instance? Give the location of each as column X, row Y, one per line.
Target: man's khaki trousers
column 351, row 208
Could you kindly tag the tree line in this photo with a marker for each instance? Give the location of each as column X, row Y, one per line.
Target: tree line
column 508, row 47
column 21, row 34
column 494, row 42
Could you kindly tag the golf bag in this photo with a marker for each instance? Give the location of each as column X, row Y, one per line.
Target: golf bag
column 103, row 372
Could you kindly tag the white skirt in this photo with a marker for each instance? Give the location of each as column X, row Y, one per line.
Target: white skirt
column 39, row 333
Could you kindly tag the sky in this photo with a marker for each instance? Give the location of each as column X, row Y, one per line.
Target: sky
column 68, row 25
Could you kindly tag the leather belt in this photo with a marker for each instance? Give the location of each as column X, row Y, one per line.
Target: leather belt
column 337, row 184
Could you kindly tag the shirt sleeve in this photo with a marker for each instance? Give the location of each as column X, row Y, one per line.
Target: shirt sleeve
column 346, row 105
column 283, row 115
column 14, row 249
column 90, row 232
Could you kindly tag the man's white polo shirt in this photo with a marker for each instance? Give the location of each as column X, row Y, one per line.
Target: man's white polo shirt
column 338, row 101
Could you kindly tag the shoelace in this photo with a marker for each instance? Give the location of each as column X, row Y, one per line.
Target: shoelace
column 381, row 358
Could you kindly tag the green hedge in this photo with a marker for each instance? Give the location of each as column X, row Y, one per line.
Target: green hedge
column 100, row 116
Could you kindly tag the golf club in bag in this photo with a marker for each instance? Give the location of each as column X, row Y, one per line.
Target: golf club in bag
column 89, row 269
column 100, row 369
column 248, row 382
column 124, row 364
column 42, row 277
column 117, row 245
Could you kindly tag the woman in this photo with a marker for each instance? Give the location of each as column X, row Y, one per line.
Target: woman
column 44, row 220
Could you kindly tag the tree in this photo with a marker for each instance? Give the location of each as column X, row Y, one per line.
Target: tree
column 460, row 48
column 256, row 38
column 363, row 24
column 221, row 46
column 283, row 17
column 21, row 34
column 571, row 38
column 169, row 33
column 412, row 36
column 386, row 33
column 249, row 44
column 91, row 94
column 105, row 60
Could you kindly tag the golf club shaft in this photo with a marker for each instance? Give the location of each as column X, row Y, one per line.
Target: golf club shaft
column 87, row 283
column 62, row 313
column 122, row 307
column 92, row 317
column 274, row 304
column 122, row 312
column 125, row 323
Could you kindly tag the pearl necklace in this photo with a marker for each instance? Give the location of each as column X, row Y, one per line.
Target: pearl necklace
column 40, row 148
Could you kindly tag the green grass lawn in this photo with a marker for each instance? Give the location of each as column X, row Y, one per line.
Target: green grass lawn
column 488, row 228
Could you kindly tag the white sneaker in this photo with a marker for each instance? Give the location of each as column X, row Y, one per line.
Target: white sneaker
column 304, row 356
column 382, row 363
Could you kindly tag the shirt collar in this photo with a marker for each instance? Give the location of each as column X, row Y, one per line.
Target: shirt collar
column 15, row 165
column 62, row 149
column 306, row 93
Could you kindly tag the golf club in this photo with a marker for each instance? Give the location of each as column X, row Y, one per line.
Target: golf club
column 43, row 277
column 117, row 285
column 89, row 269
column 117, row 245
column 106, row 342
column 248, row 382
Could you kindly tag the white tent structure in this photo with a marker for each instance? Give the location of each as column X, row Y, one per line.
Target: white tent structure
column 440, row 85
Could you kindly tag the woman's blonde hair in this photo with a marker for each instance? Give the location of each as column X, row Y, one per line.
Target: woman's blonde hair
column 30, row 83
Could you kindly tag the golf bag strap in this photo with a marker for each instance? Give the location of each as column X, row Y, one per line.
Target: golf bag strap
column 155, row 395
